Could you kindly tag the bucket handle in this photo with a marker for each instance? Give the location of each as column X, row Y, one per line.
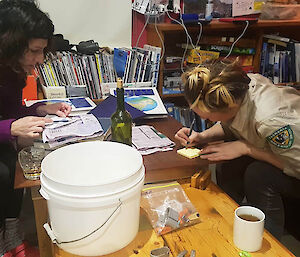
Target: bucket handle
column 54, row 239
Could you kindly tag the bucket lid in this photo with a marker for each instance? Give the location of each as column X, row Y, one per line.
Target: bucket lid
column 93, row 163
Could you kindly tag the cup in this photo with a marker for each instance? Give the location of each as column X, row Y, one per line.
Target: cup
column 248, row 228
column 30, row 160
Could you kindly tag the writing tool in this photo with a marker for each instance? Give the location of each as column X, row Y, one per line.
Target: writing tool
column 61, row 120
column 191, row 130
column 56, row 121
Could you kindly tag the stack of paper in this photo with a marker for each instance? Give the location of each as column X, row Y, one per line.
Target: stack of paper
column 147, row 140
column 66, row 130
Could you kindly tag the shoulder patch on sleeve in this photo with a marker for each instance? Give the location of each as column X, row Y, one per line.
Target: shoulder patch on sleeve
column 282, row 138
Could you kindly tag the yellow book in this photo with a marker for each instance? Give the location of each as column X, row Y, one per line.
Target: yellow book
column 52, row 74
column 49, row 78
column 99, row 67
column 199, row 56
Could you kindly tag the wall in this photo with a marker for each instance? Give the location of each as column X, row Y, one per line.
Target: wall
column 138, row 22
column 106, row 21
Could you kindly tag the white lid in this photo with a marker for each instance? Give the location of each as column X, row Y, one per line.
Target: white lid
column 93, row 163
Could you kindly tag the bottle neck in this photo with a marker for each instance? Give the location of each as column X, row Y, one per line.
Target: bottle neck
column 120, row 99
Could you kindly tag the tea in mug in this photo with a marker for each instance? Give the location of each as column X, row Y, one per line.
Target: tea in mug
column 249, row 217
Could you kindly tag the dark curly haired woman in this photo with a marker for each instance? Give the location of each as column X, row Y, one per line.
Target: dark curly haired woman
column 25, row 32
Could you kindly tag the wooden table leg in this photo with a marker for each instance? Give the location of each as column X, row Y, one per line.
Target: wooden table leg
column 41, row 217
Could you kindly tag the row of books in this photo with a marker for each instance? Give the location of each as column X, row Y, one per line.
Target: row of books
column 71, row 69
column 185, row 116
column 138, row 64
column 172, row 83
column 280, row 59
column 212, row 47
column 97, row 72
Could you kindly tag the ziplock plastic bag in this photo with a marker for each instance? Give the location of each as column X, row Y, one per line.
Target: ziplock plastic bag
column 168, row 207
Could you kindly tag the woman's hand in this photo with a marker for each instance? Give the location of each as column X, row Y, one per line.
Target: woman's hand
column 225, row 151
column 29, row 127
column 60, row 109
column 182, row 136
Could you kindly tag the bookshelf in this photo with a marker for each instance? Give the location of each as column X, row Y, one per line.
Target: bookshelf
column 172, row 34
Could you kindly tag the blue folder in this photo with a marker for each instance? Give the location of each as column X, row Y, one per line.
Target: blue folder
column 120, row 59
column 108, row 106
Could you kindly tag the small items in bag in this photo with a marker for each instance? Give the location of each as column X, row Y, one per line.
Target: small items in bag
column 168, row 207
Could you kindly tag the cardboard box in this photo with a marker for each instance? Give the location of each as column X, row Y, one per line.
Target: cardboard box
column 246, row 7
column 54, row 92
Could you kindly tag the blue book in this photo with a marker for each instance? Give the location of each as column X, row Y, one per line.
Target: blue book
column 120, row 59
column 263, row 59
column 170, row 108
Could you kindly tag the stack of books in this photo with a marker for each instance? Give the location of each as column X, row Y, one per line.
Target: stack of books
column 138, row 64
column 98, row 72
column 280, row 59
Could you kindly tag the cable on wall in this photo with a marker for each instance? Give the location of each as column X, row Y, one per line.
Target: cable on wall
column 233, row 44
column 142, row 31
column 200, row 34
column 156, row 16
column 160, row 38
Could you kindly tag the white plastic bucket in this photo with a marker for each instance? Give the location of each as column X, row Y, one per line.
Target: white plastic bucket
column 93, row 195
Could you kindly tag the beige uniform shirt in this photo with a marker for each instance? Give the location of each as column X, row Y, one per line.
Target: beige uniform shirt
column 269, row 118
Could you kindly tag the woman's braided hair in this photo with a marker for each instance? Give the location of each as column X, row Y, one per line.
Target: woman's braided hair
column 216, row 85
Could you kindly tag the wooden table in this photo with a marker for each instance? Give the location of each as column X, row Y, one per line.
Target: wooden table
column 211, row 237
column 160, row 166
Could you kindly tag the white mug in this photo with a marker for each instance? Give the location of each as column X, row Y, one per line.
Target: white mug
column 248, row 235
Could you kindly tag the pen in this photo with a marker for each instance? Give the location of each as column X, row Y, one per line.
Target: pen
column 191, row 130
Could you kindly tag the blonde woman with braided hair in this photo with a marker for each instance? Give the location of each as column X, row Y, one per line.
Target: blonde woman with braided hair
column 259, row 124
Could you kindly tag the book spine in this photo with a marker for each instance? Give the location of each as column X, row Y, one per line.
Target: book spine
column 276, row 68
column 297, row 60
column 72, row 68
column 99, row 69
column 49, row 77
column 263, row 58
column 95, row 76
column 157, row 52
column 89, row 76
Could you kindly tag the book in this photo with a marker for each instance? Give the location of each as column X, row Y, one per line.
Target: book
column 292, row 61
column 145, row 99
column 223, row 50
column 277, row 38
column 297, row 61
column 270, row 66
column 156, row 53
column 127, row 66
column 95, row 76
column 198, row 56
column 170, row 108
column 263, row 59
column 77, row 103
column 120, row 61
column 276, row 67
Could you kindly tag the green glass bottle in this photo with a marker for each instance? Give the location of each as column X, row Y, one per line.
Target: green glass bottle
column 121, row 121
